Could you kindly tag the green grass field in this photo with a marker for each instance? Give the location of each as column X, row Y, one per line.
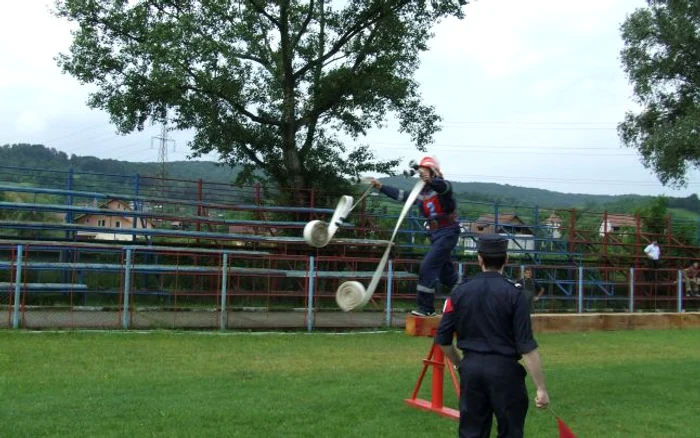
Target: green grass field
column 95, row 384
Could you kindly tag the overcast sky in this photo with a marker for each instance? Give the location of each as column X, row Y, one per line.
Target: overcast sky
column 530, row 91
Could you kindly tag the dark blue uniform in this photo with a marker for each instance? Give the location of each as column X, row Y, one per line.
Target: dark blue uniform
column 530, row 288
column 491, row 318
column 437, row 204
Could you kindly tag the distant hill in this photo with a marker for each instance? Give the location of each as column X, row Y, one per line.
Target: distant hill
column 526, row 196
column 41, row 157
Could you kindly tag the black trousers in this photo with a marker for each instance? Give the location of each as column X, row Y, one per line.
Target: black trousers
column 651, row 274
column 492, row 385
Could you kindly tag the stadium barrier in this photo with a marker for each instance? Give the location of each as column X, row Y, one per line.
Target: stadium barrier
column 83, row 285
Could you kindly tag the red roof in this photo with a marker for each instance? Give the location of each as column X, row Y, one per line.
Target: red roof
column 621, row 220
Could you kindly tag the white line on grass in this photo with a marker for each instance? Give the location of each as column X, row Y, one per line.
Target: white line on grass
column 206, row 333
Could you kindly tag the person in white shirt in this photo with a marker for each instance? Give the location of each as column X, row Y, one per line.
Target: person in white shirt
column 653, row 253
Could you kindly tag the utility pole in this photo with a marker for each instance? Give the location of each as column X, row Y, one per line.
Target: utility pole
column 163, row 151
column 163, row 186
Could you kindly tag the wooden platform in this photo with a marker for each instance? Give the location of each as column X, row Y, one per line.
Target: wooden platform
column 569, row 323
column 565, row 323
column 421, row 325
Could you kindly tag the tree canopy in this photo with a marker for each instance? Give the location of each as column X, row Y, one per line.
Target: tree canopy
column 269, row 85
column 661, row 57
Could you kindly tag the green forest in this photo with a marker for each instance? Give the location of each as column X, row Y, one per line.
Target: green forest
column 40, row 157
column 36, row 156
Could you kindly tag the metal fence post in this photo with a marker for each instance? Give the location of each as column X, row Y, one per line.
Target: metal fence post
column 127, row 287
column 69, row 201
column 495, row 216
column 389, row 281
column 223, row 319
column 137, row 207
column 680, row 291
column 310, row 303
column 580, row 289
column 631, row 292
column 18, row 286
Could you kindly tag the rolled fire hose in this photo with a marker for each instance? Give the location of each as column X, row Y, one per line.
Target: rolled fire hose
column 318, row 233
column 352, row 294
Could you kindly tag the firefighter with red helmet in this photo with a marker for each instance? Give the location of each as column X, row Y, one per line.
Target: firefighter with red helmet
column 436, row 202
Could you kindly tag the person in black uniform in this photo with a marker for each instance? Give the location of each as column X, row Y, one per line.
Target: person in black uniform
column 491, row 318
column 532, row 289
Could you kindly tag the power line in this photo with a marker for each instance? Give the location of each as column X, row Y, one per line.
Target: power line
column 82, row 131
column 527, row 126
column 458, row 145
column 564, row 180
column 513, row 150
column 576, row 154
column 141, row 149
column 88, row 142
column 533, row 128
column 526, row 123
column 513, row 122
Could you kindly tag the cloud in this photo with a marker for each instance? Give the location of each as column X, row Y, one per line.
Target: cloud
column 30, row 122
column 530, row 91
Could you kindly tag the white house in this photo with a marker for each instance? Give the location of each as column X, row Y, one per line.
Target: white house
column 615, row 223
column 508, row 225
column 111, row 221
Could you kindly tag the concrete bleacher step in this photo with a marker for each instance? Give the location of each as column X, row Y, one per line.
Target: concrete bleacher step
column 155, row 232
column 149, row 268
column 45, row 286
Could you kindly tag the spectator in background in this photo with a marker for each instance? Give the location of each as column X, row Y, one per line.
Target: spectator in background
column 690, row 275
column 531, row 288
column 653, row 253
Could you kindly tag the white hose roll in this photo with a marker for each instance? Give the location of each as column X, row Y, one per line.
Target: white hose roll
column 352, row 294
column 318, row 233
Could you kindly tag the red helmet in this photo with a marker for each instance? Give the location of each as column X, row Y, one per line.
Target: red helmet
column 431, row 163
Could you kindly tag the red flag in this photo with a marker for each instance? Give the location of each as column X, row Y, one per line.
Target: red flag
column 564, row 431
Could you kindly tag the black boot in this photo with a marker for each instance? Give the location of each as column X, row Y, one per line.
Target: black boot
column 426, row 304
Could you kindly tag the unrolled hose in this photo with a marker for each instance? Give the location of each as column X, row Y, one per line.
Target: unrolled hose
column 352, row 294
column 318, row 233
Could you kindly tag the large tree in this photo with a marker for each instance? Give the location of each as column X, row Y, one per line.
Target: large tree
column 661, row 57
column 268, row 84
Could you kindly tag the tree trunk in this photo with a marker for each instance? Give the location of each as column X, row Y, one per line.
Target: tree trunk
column 289, row 128
column 295, row 174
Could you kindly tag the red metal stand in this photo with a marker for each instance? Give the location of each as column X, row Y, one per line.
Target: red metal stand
column 436, row 358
